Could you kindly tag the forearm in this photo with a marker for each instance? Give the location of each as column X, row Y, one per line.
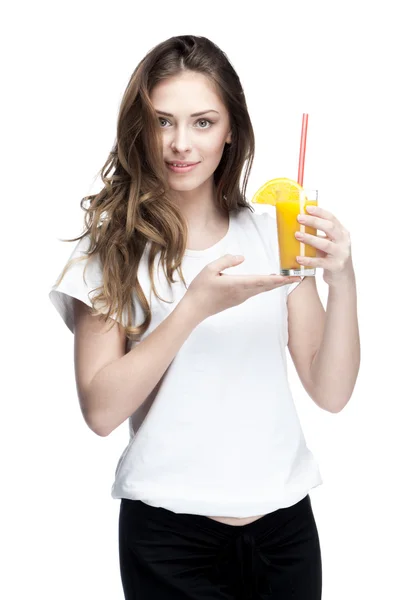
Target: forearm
column 122, row 386
column 335, row 365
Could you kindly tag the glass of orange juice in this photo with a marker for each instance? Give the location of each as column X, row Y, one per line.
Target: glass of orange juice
column 289, row 204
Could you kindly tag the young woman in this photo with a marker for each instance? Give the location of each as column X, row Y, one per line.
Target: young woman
column 186, row 338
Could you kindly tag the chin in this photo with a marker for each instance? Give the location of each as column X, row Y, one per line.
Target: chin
column 184, row 188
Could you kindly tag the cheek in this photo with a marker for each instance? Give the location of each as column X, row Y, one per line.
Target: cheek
column 217, row 142
column 213, row 148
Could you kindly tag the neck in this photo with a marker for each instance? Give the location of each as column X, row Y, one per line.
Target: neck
column 199, row 207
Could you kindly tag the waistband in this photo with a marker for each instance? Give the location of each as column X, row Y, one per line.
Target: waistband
column 241, row 559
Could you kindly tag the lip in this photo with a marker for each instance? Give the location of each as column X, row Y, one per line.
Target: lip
column 183, row 162
column 182, row 169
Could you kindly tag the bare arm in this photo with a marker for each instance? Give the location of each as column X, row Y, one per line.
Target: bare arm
column 335, row 366
column 118, row 389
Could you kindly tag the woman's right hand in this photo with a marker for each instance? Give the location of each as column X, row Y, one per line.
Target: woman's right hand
column 211, row 291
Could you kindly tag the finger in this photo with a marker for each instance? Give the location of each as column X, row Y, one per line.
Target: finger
column 282, row 277
column 314, row 263
column 326, row 225
column 262, row 280
column 322, row 243
column 321, row 212
column 265, row 278
column 284, row 280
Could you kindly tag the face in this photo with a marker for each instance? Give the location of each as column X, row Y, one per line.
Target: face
column 186, row 138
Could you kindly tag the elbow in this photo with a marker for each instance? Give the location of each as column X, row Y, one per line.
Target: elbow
column 333, row 405
column 100, row 429
column 93, row 416
column 337, row 409
column 340, row 401
column 102, row 423
column 331, row 400
column 96, row 425
column 101, row 432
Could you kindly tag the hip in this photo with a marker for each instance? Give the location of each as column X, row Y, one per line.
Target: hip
column 279, row 551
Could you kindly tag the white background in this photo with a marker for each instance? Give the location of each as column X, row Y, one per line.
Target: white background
column 64, row 69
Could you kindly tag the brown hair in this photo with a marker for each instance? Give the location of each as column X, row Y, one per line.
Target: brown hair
column 134, row 207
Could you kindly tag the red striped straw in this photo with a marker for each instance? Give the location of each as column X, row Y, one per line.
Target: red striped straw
column 303, row 142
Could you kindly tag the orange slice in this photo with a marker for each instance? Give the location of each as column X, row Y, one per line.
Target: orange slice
column 266, row 194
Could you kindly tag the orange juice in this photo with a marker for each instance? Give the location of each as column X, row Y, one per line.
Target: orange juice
column 287, row 211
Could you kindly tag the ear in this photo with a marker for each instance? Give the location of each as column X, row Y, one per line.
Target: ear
column 229, row 138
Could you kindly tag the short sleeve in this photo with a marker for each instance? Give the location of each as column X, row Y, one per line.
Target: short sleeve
column 75, row 285
column 274, row 246
column 292, row 286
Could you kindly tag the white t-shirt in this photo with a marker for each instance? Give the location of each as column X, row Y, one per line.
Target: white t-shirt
column 219, row 435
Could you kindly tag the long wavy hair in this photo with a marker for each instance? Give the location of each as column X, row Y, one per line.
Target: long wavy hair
column 135, row 207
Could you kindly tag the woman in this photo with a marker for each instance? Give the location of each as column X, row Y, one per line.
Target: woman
column 214, row 482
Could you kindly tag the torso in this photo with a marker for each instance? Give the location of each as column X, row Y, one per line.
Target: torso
column 199, row 242
column 236, row 521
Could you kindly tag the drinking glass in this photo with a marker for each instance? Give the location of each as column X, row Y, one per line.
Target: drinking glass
column 290, row 204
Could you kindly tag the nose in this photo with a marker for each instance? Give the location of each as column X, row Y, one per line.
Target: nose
column 181, row 141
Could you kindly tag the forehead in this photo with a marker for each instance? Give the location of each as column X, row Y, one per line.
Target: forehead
column 187, row 92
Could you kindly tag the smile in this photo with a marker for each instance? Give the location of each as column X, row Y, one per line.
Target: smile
column 177, row 169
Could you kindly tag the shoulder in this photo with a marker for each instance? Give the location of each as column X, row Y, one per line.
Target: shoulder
column 80, row 278
column 262, row 223
column 246, row 216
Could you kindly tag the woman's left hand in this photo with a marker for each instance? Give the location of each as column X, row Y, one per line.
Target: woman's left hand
column 333, row 250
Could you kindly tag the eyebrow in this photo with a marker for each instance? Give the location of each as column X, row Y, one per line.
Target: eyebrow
column 198, row 114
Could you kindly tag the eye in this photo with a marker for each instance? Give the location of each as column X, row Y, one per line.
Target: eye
column 205, row 121
column 198, row 121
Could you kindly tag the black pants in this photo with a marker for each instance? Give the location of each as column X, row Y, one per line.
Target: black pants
column 178, row 556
